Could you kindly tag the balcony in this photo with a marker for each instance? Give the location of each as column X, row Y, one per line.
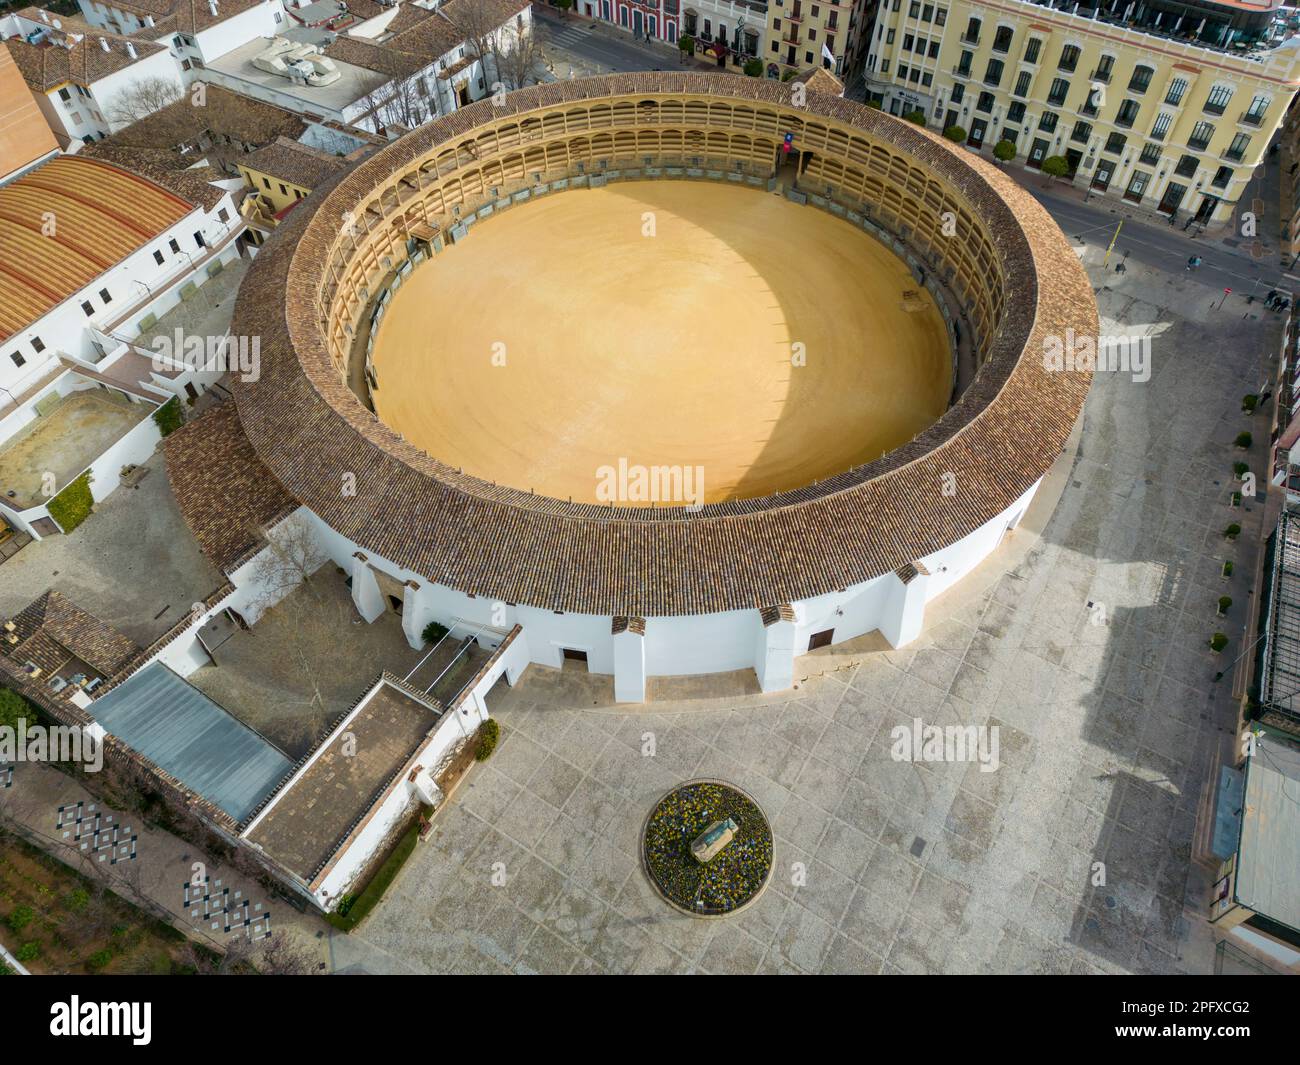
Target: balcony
column 1252, row 118
column 968, row 39
column 1235, row 155
column 961, row 72
column 1196, row 144
column 1100, row 75
column 1213, row 108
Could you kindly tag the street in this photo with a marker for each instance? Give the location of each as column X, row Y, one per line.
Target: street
column 579, row 47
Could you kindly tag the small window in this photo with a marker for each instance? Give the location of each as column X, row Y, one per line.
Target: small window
column 17, row 358
column 1069, row 57
column 224, row 215
column 158, row 257
column 198, row 240
column 38, row 345
column 87, row 308
column 176, row 248
column 103, row 295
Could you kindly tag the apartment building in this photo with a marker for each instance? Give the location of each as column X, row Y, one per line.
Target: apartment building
column 801, row 34
column 1162, row 103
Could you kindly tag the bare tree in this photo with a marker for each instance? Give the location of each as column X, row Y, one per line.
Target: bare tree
column 276, row 955
column 517, row 58
column 143, row 98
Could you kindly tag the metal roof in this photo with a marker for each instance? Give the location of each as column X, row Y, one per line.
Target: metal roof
column 1268, row 856
column 186, row 734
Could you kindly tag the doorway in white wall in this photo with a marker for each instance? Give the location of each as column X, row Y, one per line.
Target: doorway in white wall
column 573, row 659
column 821, row 639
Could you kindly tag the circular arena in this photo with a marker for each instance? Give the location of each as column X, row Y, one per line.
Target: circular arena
column 489, row 387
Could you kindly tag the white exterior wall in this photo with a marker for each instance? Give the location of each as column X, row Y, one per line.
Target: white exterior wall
column 265, row 20
column 705, row 643
column 64, row 329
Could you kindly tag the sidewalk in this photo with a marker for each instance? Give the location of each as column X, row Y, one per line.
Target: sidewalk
column 163, row 874
column 1262, row 187
column 668, row 56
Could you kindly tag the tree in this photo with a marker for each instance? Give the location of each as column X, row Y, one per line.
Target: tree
column 754, row 67
column 517, row 58
column 493, row 44
column 564, row 6
column 13, row 709
column 956, row 134
column 917, row 118
column 1004, row 151
column 276, row 955
column 686, row 43
column 144, row 97
column 1055, row 166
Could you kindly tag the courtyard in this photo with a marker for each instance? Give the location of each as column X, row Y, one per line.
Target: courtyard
column 1086, row 648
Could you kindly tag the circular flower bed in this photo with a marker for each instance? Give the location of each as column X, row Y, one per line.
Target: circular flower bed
column 734, row 877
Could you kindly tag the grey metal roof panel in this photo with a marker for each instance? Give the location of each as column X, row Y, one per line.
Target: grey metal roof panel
column 1227, row 812
column 1268, row 858
column 181, row 730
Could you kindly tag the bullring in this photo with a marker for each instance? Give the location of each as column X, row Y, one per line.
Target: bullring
column 663, row 590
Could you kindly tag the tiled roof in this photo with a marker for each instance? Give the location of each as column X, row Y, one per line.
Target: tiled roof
column 290, row 161
column 224, row 113
column 163, row 167
column 225, row 503
column 820, row 80
column 53, row 629
column 381, row 58
column 48, row 65
column 995, row 442
column 104, row 214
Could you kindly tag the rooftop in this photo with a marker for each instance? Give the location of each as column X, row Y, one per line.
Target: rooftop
column 226, row 504
column 1280, row 676
column 59, row 637
column 354, row 83
column 292, row 161
column 78, row 53
column 1268, row 867
column 310, row 819
column 104, row 214
column 191, row 738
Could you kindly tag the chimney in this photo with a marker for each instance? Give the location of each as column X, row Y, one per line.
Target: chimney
column 130, row 50
column 45, row 17
column 148, row 20
column 104, row 44
column 212, row 6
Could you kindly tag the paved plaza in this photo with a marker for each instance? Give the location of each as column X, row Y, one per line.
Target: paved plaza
column 1089, row 653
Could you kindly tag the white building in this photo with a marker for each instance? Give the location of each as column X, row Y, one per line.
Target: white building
column 95, row 255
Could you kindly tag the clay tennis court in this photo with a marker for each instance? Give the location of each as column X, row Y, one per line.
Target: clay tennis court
column 558, row 339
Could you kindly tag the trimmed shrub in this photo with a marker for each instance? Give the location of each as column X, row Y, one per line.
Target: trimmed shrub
column 488, row 734
column 1004, row 151
column 917, row 118
column 1232, row 531
column 1225, row 602
column 1056, row 166
column 73, row 505
column 168, row 417
column 1248, row 403
column 1244, row 440
column 686, row 43
column 1218, row 642
column 433, row 632
column 1240, row 469
column 1227, row 569
column 956, row 134
column 753, row 67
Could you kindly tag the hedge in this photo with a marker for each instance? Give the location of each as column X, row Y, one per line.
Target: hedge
column 73, row 505
column 168, row 416
column 354, row 908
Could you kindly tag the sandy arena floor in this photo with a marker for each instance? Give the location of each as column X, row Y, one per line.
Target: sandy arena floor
column 673, row 349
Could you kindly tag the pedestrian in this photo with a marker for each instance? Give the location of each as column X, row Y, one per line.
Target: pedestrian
column 1193, row 262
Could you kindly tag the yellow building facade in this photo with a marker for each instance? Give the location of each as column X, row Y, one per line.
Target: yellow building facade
column 1172, row 113
column 804, row 35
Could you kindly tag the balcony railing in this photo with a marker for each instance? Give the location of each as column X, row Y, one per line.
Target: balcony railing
column 968, row 39
column 1103, row 76
column 1252, row 118
column 961, row 72
column 1212, row 108
column 1235, row 155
